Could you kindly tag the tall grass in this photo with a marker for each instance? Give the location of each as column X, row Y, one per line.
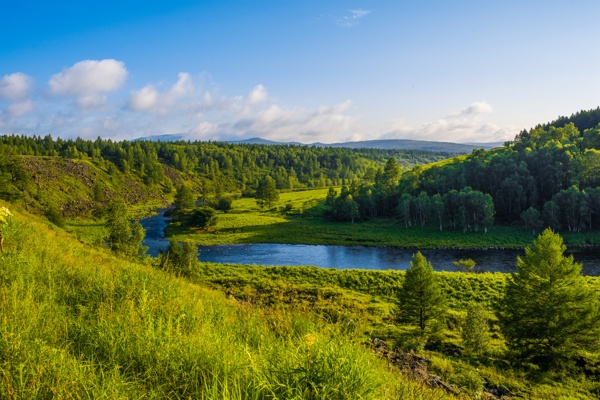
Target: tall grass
column 77, row 322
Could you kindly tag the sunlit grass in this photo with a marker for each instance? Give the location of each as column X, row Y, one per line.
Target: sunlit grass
column 77, row 322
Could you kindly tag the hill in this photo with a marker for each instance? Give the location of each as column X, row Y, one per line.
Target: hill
column 73, row 175
column 78, row 322
column 389, row 144
column 405, row 144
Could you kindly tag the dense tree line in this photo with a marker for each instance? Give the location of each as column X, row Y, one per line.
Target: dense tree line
column 548, row 176
column 221, row 166
column 467, row 209
column 554, row 171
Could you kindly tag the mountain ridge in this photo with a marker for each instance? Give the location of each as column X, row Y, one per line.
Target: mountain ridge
column 385, row 144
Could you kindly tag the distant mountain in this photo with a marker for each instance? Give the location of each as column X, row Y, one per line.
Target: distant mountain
column 257, row 140
column 487, row 145
column 405, row 144
column 389, row 144
column 170, row 137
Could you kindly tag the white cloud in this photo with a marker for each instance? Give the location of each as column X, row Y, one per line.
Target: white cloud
column 186, row 107
column 89, row 80
column 352, row 18
column 149, row 99
column 144, row 99
column 328, row 124
column 476, row 108
column 15, row 87
column 258, row 95
column 466, row 125
column 204, row 130
column 18, row 109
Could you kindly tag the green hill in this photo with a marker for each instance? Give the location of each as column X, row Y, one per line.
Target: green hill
column 76, row 322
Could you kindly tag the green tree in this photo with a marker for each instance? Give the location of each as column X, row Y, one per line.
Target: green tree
column 421, row 301
column 184, row 199
column 203, row 217
column 179, row 258
column 476, row 331
column 549, row 313
column 531, row 219
column 349, row 209
column 266, row 193
column 99, row 196
column 124, row 236
column 552, row 214
column 331, row 195
column 391, row 173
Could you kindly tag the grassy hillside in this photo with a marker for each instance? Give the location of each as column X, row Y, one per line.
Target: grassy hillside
column 69, row 185
column 363, row 303
column 77, row 322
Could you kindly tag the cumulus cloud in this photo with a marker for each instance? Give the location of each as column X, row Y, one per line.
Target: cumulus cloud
column 149, row 99
column 88, row 81
column 352, row 18
column 476, row 108
column 466, row 125
column 187, row 106
column 327, row 123
column 257, row 95
column 144, row 99
column 15, row 87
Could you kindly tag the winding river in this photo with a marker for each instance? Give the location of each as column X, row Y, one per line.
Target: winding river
column 345, row 257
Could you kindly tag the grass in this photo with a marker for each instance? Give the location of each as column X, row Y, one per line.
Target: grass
column 77, row 322
column 363, row 303
column 304, row 224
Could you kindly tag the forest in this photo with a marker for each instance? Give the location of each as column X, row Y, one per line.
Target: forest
column 218, row 166
column 548, row 176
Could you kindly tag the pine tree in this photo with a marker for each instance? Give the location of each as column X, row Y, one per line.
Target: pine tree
column 184, row 199
column 266, row 192
column 421, row 300
column 549, row 313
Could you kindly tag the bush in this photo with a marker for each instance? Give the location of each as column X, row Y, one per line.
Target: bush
column 203, row 217
column 55, row 217
column 179, row 259
column 222, row 204
column 470, row 381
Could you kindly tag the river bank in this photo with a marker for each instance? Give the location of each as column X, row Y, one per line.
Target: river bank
column 488, row 259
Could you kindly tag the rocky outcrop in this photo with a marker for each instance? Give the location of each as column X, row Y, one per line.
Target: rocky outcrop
column 413, row 365
column 416, row 367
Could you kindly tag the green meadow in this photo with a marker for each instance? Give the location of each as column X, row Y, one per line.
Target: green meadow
column 297, row 219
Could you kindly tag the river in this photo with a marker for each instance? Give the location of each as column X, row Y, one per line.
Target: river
column 345, row 257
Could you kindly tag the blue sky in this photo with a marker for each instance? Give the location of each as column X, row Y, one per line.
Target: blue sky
column 296, row 70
